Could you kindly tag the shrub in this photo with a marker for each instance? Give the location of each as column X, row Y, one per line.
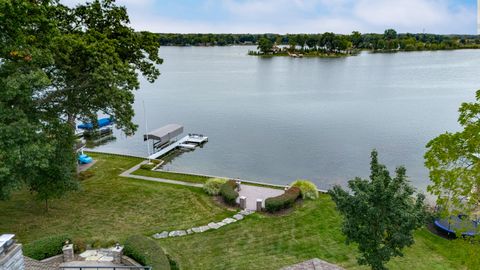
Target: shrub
column 212, row 186
column 227, row 190
column 45, row 247
column 85, row 175
column 283, row 201
column 148, row 166
column 147, row 252
column 308, row 190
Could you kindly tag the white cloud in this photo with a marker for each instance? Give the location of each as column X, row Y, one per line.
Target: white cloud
column 307, row 16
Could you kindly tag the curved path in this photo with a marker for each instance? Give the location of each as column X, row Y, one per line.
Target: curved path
column 251, row 192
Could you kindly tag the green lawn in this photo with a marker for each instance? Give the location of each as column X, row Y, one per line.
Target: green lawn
column 111, row 208
column 172, row 176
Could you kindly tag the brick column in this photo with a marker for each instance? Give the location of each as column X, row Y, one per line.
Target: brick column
column 243, row 202
column 68, row 254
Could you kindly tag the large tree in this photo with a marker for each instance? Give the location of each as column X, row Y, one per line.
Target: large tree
column 35, row 145
column 454, row 163
column 265, row 45
column 380, row 213
column 97, row 57
column 60, row 64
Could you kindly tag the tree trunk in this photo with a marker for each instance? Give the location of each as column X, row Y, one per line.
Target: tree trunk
column 46, row 205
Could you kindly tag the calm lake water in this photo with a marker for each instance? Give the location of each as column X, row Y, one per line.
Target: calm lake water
column 279, row 119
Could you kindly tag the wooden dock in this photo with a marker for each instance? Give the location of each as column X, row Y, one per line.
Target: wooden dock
column 189, row 142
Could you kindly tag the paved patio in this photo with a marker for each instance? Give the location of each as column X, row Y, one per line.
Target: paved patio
column 255, row 192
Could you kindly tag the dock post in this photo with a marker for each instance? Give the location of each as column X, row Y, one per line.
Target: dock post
column 259, row 205
column 243, row 202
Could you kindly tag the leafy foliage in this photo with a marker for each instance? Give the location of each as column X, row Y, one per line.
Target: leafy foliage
column 453, row 161
column 227, row 191
column 283, row 201
column 265, row 45
column 212, row 186
column 45, row 247
column 61, row 64
column 147, row 252
column 380, row 214
column 308, row 190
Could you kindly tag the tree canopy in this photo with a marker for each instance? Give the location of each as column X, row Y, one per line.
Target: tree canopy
column 59, row 65
column 380, row 213
column 453, row 160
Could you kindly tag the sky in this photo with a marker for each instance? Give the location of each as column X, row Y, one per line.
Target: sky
column 301, row 16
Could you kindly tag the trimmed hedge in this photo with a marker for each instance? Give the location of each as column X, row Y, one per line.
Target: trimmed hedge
column 147, row 252
column 212, row 186
column 283, row 201
column 307, row 189
column 45, row 247
column 227, row 191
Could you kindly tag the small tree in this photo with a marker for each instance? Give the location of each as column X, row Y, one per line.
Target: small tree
column 265, row 45
column 454, row 163
column 380, row 214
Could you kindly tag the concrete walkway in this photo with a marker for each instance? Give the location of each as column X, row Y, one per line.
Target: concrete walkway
column 252, row 193
column 128, row 173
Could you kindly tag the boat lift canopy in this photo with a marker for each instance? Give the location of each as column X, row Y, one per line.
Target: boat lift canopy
column 165, row 133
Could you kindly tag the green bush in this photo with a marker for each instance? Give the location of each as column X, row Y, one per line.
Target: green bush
column 212, row 186
column 308, row 190
column 45, row 247
column 286, row 200
column 147, row 252
column 148, row 166
column 228, row 192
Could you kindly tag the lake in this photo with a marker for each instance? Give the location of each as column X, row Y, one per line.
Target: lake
column 279, row 119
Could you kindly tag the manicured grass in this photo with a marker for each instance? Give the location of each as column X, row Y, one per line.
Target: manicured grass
column 110, row 207
column 191, row 178
column 312, row 230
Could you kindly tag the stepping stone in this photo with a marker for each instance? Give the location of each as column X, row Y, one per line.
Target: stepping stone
column 164, row 234
column 229, row 220
column 189, row 231
column 238, row 217
column 213, row 225
column 246, row 212
column 200, row 229
column 177, row 233
column 221, row 224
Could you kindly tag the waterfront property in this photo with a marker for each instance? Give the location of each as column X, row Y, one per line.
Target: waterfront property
column 110, row 208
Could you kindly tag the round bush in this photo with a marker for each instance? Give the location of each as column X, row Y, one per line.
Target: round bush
column 45, row 247
column 212, row 186
column 147, row 252
column 228, row 192
column 307, row 189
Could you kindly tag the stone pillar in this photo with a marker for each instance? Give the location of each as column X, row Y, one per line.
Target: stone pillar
column 68, row 254
column 243, row 202
column 117, row 253
column 11, row 255
column 259, row 205
column 238, row 185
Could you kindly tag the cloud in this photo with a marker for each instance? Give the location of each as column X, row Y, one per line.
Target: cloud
column 300, row 16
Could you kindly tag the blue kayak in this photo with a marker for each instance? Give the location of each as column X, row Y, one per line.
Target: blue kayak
column 84, row 159
column 101, row 123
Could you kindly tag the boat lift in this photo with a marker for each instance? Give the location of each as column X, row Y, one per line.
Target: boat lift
column 165, row 140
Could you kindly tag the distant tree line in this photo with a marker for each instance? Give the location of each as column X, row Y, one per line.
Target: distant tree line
column 390, row 40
